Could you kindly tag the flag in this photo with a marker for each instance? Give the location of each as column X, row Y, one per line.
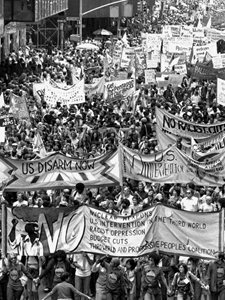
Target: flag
column 199, row 25
column 125, row 40
column 39, row 147
column 208, row 60
column 174, row 61
column 2, row 102
column 209, row 23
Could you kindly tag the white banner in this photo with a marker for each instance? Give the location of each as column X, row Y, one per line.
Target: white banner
column 200, row 51
column 221, row 91
column 66, row 96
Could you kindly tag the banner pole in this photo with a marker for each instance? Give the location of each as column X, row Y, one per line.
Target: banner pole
column 120, row 167
column 4, row 227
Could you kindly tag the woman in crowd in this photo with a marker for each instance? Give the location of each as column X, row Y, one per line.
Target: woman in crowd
column 59, row 264
column 101, row 281
column 17, row 277
column 152, row 279
column 181, row 284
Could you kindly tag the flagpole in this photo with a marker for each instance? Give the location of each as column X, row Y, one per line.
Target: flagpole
column 81, row 15
column 120, row 167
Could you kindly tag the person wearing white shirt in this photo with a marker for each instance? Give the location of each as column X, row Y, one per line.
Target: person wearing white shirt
column 207, row 206
column 190, row 202
column 83, row 263
column 20, row 201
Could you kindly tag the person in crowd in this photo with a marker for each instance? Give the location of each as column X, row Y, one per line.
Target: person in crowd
column 83, row 263
column 59, row 264
column 101, row 281
column 181, row 284
column 152, row 279
column 215, row 278
column 65, row 290
column 114, row 279
column 190, row 202
column 18, row 276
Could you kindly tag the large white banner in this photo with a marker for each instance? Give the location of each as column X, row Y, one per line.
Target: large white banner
column 157, row 229
column 66, row 96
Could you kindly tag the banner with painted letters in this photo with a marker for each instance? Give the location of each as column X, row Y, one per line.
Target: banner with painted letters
column 183, row 128
column 118, row 90
column 58, row 171
column 157, row 229
column 172, row 165
column 66, row 96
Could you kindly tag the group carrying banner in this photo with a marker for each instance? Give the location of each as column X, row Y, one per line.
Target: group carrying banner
column 58, row 171
column 173, row 165
column 87, row 229
column 66, row 96
column 183, row 128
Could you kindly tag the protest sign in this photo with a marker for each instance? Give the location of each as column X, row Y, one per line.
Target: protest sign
column 58, row 171
column 149, row 76
column 117, row 90
column 117, row 55
column 95, row 88
column 19, row 107
column 152, row 59
column 179, row 126
column 153, row 41
column 39, row 91
column 221, row 91
column 66, row 96
column 127, row 55
column 6, row 120
column 157, row 229
column 175, row 79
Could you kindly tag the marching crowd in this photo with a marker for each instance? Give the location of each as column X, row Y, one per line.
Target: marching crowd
column 89, row 130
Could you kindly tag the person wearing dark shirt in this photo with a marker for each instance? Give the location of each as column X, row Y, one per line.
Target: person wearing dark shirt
column 65, row 290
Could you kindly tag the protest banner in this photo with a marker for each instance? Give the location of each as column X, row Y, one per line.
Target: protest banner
column 172, row 165
column 181, row 69
column 183, row 128
column 200, row 51
column 58, row 171
column 19, row 107
column 175, row 79
column 149, row 76
column 215, row 35
column 95, row 88
column 66, row 96
column 221, row 91
column 158, row 229
column 117, row 90
column 202, row 71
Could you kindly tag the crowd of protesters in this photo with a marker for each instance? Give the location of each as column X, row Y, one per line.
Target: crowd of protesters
column 89, row 130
